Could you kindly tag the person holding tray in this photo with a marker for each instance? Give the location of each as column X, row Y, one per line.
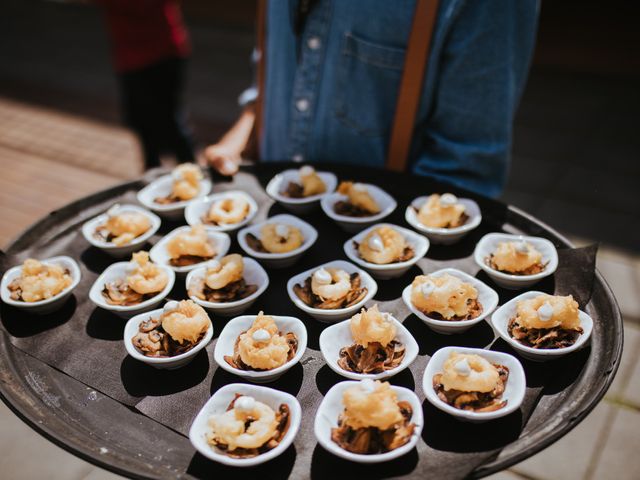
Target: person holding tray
column 423, row 86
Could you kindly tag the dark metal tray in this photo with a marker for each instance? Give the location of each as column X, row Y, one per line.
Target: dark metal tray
column 107, row 433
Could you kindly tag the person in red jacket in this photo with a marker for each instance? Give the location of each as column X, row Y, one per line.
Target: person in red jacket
column 150, row 48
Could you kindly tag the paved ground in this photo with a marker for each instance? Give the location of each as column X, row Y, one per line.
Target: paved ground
column 575, row 166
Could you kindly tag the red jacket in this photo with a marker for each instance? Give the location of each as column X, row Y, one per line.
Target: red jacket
column 145, row 31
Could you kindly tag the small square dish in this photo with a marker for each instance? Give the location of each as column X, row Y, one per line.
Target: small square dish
column 253, row 274
column 119, row 251
column 417, row 242
column 500, row 321
column 51, row 304
column 276, row 189
column 219, row 403
column 230, row 210
column 514, row 387
column 332, row 407
column 354, row 224
column 488, row 245
column 279, row 259
column 161, row 187
column 333, row 314
column 225, row 346
column 487, row 298
column 445, row 236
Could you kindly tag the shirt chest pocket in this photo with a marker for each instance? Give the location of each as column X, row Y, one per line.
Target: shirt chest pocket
column 367, row 81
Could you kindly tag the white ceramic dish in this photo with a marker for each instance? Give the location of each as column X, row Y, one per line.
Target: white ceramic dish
column 332, row 315
column 331, row 408
column 445, row 236
column 50, row 304
column 162, row 187
column 513, row 393
column 500, row 320
column 160, row 255
column 89, row 228
column 385, row 201
column 335, row 337
column 196, row 209
column 236, row 326
column 162, row 363
column 219, row 402
column 488, row 244
column 253, row 274
column 487, row 297
column 298, row 205
column 279, row 260
column 116, row 271
column 419, row 243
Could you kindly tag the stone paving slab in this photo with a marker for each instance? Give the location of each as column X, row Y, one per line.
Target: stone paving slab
column 619, row 459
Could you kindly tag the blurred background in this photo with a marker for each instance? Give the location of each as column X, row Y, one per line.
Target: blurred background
column 576, row 165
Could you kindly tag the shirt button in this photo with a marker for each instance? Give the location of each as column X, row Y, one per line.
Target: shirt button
column 314, row 43
column 302, row 105
column 298, row 157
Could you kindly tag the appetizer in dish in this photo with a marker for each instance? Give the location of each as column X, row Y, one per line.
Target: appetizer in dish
column 39, row 281
column 470, row 382
column 516, row 258
column 186, row 184
column 179, row 328
column 263, row 347
column 190, row 247
column 442, row 211
column 359, row 201
column 276, row 238
column 223, row 281
column 123, row 227
column 310, row 184
column 373, row 420
column 375, row 348
column 227, row 211
column 546, row 321
column 331, row 288
column 248, row 427
column 144, row 280
column 384, row 245
column 445, row 297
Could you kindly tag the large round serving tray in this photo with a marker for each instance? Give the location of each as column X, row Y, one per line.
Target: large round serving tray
column 119, row 438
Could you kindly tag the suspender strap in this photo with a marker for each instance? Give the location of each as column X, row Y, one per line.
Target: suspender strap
column 415, row 66
column 261, row 27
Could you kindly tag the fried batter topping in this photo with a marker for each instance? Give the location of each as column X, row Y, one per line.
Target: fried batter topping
column 516, row 258
column 144, row 280
column 359, row 202
column 39, row 281
column 442, row 211
column 310, row 184
column 186, row 184
column 190, row 247
column 445, row 297
column 122, row 228
column 331, row 289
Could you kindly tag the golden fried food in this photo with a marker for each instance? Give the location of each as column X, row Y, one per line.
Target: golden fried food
column 39, row 281
column 548, row 311
column 330, row 283
column 359, row 196
column 262, row 346
column 185, row 321
column 143, row 276
column 382, row 245
column 221, row 273
column 442, row 211
column 280, row 238
column 469, row 373
column 371, row 326
column 194, row 242
column 445, row 295
column 229, row 210
column 186, row 181
column 371, row 404
column 123, row 227
column 517, row 258
column 311, row 182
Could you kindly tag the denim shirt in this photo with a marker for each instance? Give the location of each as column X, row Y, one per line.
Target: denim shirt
column 330, row 93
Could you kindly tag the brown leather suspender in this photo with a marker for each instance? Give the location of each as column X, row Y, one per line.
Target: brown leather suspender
column 410, row 92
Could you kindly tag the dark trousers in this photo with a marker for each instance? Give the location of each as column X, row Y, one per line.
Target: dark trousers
column 152, row 107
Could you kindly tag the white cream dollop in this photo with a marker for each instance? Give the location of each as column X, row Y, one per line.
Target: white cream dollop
column 306, row 170
column 522, row 247
column 375, row 243
column 367, row 385
column 244, row 404
column 282, row 230
column 545, row 312
column 170, row 306
column 427, row 288
column 448, row 200
column 177, row 175
column 359, row 187
column 214, row 264
column 261, row 335
column 131, row 267
column 462, row 368
column 322, row 277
